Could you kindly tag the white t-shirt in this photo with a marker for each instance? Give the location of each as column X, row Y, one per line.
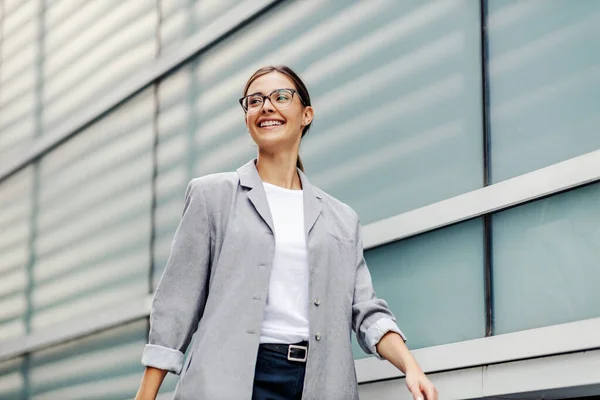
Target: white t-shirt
column 286, row 310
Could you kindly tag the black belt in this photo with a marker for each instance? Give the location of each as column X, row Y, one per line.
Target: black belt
column 294, row 352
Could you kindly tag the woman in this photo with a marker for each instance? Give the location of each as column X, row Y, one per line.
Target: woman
column 270, row 272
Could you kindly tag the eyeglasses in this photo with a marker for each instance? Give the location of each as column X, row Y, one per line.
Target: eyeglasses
column 280, row 99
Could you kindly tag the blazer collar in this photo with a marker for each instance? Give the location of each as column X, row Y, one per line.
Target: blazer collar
column 312, row 197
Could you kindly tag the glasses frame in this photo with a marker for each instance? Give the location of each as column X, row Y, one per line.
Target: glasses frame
column 268, row 96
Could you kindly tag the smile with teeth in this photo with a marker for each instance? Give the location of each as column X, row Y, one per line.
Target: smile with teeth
column 264, row 124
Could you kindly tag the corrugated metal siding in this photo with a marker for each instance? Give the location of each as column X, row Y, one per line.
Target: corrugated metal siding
column 11, row 379
column 19, row 69
column 175, row 154
column 15, row 227
column 90, row 48
column 93, row 226
column 104, row 366
column 183, row 18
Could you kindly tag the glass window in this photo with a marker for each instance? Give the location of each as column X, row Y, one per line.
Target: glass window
column 90, row 48
column 547, row 261
column 104, row 366
column 15, row 225
column 92, row 245
column 544, row 79
column 434, row 284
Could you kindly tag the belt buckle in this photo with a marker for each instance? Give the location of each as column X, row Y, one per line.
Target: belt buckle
column 293, row 346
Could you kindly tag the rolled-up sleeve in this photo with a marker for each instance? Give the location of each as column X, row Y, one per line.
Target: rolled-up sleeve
column 181, row 293
column 371, row 316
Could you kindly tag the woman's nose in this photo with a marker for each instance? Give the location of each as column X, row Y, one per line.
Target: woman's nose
column 268, row 106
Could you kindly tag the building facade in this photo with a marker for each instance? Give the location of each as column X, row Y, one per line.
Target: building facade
column 463, row 132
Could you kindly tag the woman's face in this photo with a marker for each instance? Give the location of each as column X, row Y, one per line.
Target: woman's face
column 274, row 129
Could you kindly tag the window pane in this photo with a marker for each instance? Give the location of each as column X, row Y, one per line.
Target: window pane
column 93, row 224
column 15, row 228
column 547, row 261
column 544, row 79
column 104, row 366
column 434, row 284
column 90, row 48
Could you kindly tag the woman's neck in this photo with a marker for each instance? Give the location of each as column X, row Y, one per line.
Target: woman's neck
column 279, row 170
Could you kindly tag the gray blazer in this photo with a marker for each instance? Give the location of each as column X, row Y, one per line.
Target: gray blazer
column 216, row 281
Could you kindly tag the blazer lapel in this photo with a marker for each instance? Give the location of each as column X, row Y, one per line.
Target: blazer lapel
column 250, row 179
column 312, row 210
column 312, row 204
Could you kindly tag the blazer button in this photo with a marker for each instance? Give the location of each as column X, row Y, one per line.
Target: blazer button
column 317, row 302
column 318, row 337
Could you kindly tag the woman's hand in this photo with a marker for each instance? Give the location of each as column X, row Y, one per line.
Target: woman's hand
column 420, row 386
column 392, row 348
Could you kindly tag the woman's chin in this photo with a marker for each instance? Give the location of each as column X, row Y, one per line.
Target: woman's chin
column 270, row 132
column 274, row 144
column 271, row 138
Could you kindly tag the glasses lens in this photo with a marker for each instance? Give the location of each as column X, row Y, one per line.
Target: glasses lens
column 281, row 98
column 253, row 103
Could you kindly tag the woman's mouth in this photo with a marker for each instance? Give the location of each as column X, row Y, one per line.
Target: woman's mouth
column 270, row 124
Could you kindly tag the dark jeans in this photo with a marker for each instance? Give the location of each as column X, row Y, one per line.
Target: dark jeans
column 277, row 378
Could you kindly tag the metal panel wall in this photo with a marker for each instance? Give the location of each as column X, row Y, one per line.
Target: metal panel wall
column 12, row 383
column 89, row 48
column 183, row 18
column 105, row 366
column 19, row 70
column 15, row 235
column 176, row 122
column 94, row 222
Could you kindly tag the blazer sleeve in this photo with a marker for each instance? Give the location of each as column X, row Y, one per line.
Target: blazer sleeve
column 371, row 316
column 181, row 293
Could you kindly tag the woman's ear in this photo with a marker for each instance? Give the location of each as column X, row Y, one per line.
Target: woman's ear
column 309, row 113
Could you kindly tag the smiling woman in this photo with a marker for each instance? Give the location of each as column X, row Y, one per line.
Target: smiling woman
column 272, row 83
column 270, row 270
